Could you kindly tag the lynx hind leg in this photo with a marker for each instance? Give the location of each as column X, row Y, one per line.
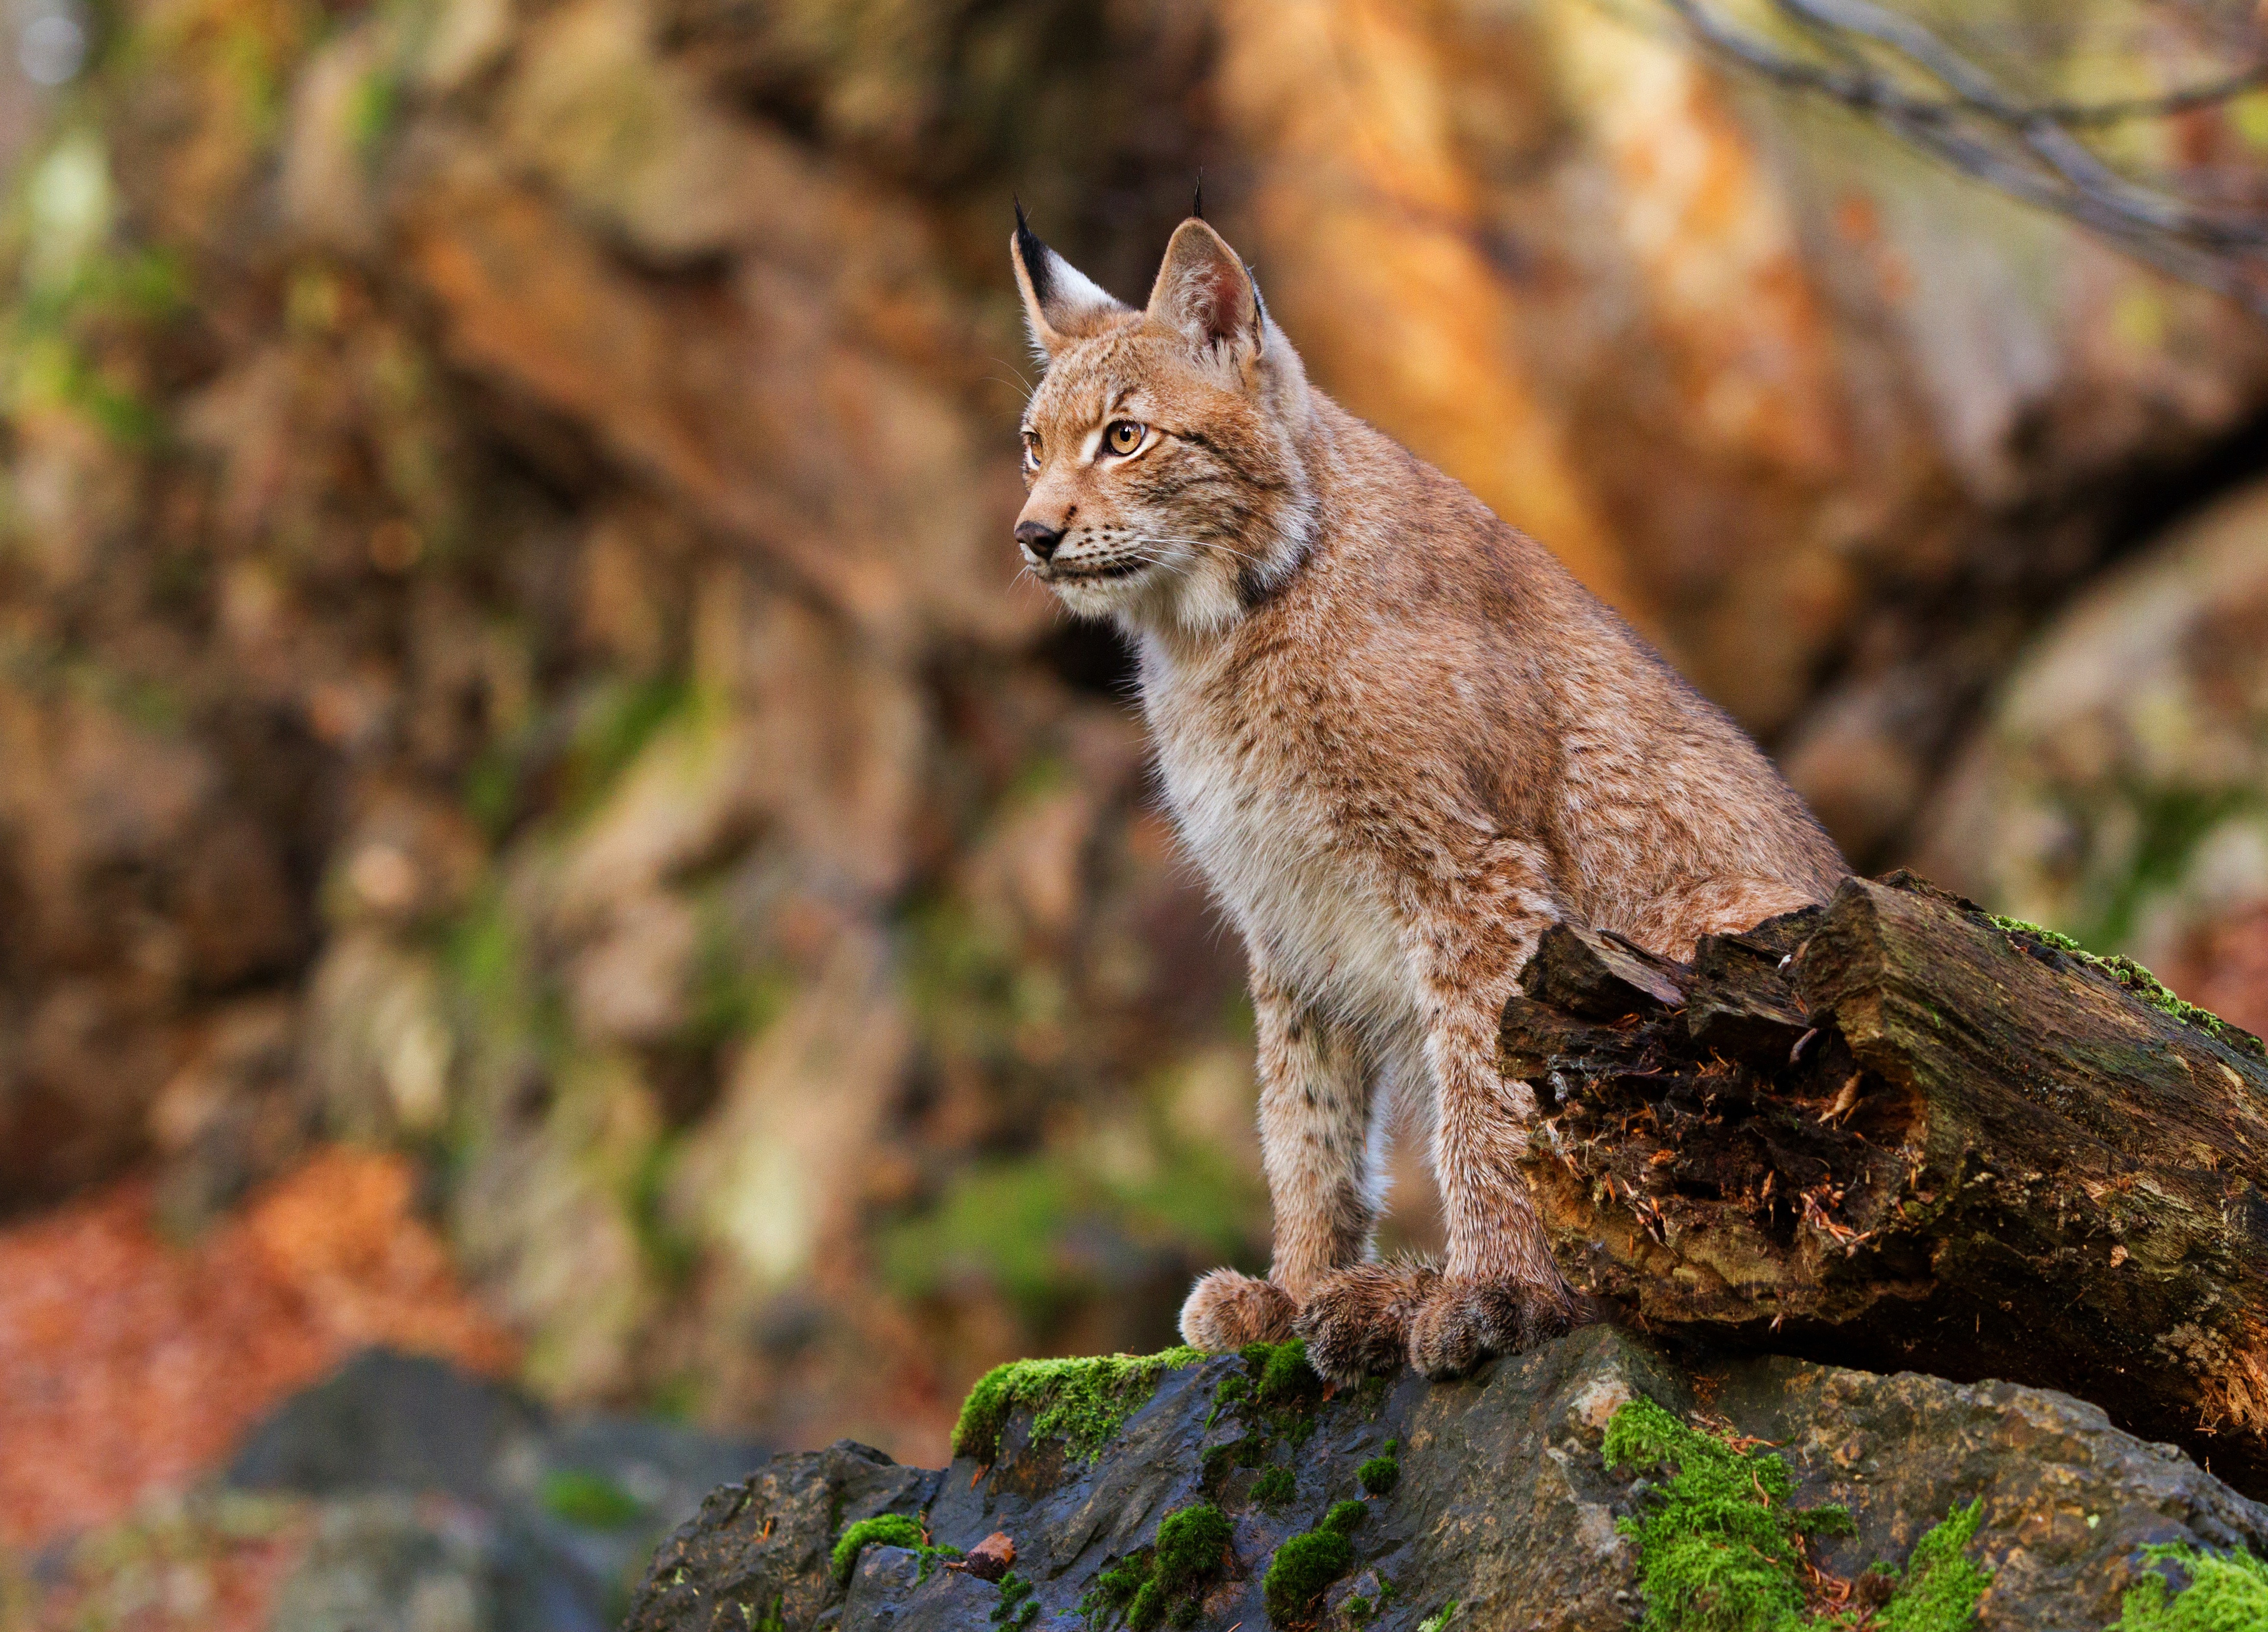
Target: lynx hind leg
column 1358, row 1321
column 1226, row 1310
column 1499, row 1291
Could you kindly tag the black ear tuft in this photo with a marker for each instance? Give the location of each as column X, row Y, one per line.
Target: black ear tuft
column 1061, row 303
column 1197, row 199
column 1033, row 254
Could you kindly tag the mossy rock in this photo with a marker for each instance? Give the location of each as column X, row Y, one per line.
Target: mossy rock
column 1082, row 1402
column 1506, row 1510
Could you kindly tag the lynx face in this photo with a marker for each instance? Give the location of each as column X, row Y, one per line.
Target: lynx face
column 1165, row 487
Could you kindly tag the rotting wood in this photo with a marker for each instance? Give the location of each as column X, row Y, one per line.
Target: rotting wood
column 1989, row 1160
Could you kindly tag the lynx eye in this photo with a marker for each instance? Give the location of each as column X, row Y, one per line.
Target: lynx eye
column 1031, row 449
column 1122, row 437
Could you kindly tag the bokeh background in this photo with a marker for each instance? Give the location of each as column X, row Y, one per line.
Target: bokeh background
column 540, row 834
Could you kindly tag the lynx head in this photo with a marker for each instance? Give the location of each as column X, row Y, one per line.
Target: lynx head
column 1163, row 448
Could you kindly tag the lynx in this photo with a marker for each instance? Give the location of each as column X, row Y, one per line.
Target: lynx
column 1400, row 741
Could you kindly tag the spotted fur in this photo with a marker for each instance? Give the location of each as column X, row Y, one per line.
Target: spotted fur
column 1400, row 740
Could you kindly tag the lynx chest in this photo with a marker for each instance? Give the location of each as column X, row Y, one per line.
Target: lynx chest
column 1275, row 855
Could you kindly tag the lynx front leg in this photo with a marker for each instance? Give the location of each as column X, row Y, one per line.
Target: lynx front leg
column 1314, row 1126
column 1499, row 1292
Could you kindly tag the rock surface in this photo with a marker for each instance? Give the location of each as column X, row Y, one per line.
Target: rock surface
column 1505, row 1504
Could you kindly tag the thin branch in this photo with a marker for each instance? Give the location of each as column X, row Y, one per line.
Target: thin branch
column 2027, row 149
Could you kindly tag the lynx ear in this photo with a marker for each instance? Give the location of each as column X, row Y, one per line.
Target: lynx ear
column 1061, row 303
column 1203, row 291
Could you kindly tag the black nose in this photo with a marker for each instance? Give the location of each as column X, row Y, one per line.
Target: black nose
column 1039, row 537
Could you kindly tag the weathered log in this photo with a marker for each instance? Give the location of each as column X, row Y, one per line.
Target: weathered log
column 1988, row 1156
column 1600, row 977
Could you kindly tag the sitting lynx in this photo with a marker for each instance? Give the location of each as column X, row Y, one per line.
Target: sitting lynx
column 1400, row 740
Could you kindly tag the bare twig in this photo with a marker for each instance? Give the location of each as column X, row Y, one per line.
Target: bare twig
column 2030, row 150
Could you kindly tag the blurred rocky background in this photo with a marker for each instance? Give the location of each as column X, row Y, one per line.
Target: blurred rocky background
column 539, row 829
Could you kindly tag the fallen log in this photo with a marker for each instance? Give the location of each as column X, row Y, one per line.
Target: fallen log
column 1895, row 1132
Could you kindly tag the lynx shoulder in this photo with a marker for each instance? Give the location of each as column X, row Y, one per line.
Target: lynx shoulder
column 1399, row 740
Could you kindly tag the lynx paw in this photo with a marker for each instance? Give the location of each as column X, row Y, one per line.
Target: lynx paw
column 1463, row 1322
column 1224, row 1311
column 1358, row 1321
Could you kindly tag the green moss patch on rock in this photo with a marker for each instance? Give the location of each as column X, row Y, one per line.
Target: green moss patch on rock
column 1165, row 1582
column 2137, row 979
column 1942, row 1583
column 1083, row 1403
column 2226, row 1592
column 1380, row 1475
column 1301, row 1572
column 1720, row 1550
column 1275, row 1487
column 884, row 1530
column 1306, row 1565
column 1017, row 1607
column 1283, row 1379
column 1274, row 1398
column 1278, row 1392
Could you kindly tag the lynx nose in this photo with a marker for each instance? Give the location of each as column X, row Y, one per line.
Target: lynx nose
column 1039, row 537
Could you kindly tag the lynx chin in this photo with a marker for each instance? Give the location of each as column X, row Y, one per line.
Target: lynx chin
column 1400, row 740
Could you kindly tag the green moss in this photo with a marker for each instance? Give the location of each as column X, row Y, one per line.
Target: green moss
column 1378, row 1475
column 1720, row 1550
column 1719, row 1547
column 1223, row 1459
column 882, row 1530
column 1117, row 1586
column 1439, row 1619
column 1275, row 1487
column 1345, row 1517
column 1359, row 1610
column 1235, row 1387
column 1082, row 1402
column 1286, row 1380
column 1167, row 1580
column 1148, row 1608
column 2142, row 982
column 1190, row 1545
column 1017, row 1606
column 1278, row 1391
column 1942, row 1584
column 2226, row 1592
column 1303, row 1569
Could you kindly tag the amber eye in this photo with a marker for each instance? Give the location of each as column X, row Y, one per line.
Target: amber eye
column 1031, row 449
column 1122, row 435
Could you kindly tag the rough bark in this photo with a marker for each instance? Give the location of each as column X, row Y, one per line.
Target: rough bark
column 1894, row 1133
